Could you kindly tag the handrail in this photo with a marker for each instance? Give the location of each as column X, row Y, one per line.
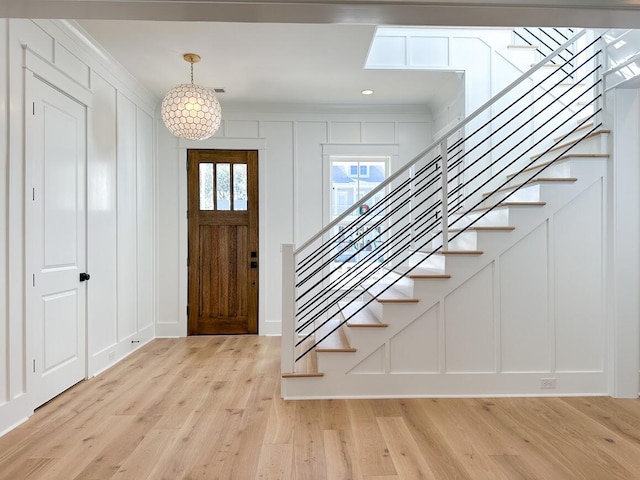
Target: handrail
column 438, row 141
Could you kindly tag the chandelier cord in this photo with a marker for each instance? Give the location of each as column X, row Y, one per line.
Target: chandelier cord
column 191, row 72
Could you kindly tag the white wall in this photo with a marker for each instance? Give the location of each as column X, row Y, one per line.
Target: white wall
column 120, row 201
column 292, row 188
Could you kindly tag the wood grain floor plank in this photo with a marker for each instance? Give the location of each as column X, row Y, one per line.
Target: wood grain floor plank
column 441, row 457
column 460, row 439
column 405, row 452
column 527, row 443
column 372, row 452
column 338, row 460
column 209, row 407
column 308, row 442
column 275, row 461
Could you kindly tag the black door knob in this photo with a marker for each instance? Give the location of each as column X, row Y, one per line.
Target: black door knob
column 84, row 277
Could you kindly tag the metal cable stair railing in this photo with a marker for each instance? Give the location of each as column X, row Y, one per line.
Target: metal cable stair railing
column 546, row 40
column 415, row 209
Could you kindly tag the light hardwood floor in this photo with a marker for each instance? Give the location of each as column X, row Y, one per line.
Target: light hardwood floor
column 209, row 408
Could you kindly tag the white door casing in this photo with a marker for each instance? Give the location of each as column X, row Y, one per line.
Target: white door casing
column 55, row 240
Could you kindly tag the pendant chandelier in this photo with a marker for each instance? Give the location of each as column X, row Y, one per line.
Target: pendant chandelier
column 191, row 111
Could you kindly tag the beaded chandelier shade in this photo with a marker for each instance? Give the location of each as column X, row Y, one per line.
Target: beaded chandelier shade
column 191, row 111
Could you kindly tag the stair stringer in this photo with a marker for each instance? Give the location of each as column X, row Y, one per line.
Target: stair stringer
column 339, row 381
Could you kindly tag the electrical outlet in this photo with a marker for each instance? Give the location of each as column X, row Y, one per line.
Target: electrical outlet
column 112, row 356
column 547, row 383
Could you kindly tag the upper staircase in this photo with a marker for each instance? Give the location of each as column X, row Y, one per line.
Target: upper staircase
column 422, row 305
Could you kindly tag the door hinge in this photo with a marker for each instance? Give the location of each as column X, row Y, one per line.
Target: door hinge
column 187, row 260
column 187, row 164
column 34, row 108
column 187, row 213
column 33, row 279
column 187, row 310
column 34, row 365
column 33, row 194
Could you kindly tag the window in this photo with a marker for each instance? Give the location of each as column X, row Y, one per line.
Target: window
column 351, row 179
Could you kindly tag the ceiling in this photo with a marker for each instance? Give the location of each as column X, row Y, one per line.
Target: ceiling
column 266, row 63
column 315, row 53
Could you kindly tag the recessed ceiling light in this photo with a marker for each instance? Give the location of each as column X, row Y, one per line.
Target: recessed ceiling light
column 367, row 92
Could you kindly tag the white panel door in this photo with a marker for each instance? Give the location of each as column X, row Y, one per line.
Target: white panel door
column 56, row 237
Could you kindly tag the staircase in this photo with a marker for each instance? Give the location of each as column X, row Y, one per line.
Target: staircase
column 455, row 224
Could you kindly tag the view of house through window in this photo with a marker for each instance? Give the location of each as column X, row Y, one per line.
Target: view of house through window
column 351, row 179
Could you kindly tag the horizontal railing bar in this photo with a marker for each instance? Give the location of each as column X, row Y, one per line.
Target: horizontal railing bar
column 536, row 130
column 405, row 230
column 556, row 143
column 312, row 256
column 380, row 251
column 454, row 236
column 380, row 234
column 620, row 66
column 528, row 121
column 522, row 185
column 436, row 143
column 349, row 303
column 503, row 169
column 379, row 221
column 538, row 85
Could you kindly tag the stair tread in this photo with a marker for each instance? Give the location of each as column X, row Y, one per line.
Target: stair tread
column 363, row 318
column 568, row 156
column 421, row 272
column 336, row 341
column 527, row 47
column 533, row 182
column 307, row 366
column 388, row 295
column 572, row 142
column 586, row 126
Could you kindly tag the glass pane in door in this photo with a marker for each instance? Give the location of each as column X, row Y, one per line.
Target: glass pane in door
column 239, row 186
column 206, row 186
column 223, row 186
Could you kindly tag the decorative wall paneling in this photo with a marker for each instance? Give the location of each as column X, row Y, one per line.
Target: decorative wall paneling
column 120, row 199
column 293, row 190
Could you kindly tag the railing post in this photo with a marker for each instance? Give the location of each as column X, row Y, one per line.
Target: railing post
column 287, row 346
column 444, row 155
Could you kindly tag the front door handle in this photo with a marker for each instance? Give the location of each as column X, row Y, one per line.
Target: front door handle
column 84, row 277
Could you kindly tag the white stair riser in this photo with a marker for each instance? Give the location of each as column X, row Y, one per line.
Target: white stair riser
column 575, row 167
column 499, row 216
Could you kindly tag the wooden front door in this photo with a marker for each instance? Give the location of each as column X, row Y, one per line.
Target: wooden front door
column 223, row 241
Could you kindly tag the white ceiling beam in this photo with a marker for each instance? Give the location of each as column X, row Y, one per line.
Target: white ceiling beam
column 584, row 13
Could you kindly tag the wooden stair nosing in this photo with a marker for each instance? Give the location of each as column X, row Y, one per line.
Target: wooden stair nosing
column 563, row 158
column 550, row 180
column 362, row 319
column 427, row 276
column 486, row 228
column 586, row 126
column 302, row 374
column 461, row 252
column 454, row 252
column 571, row 143
column 524, row 47
column 510, row 205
